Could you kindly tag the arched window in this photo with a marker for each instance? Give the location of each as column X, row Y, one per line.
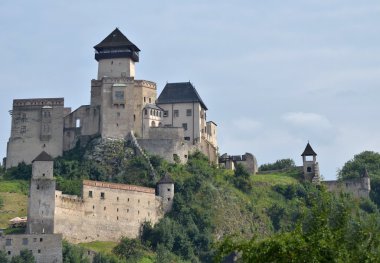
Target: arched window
column 146, row 112
column 308, row 169
column 153, row 124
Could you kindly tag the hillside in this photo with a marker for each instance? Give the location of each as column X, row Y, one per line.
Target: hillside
column 210, row 204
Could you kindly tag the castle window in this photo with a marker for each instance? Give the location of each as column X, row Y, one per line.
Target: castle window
column 150, row 100
column 134, row 117
column 119, row 95
column 122, row 105
column 117, row 218
column 102, row 195
column 168, row 198
column 187, row 138
column 117, row 210
column 308, row 169
column 169, row 189
column 77, row 123
column 146, row 112
column 184, row 125
column 39, row 251
column 9, row 252
column 138, row 201
column 38, row 187
column 90, row 194
column 138, row 212
column 176, row 113
column 93, row 207
column 186, row 154
column 144, row 99
column 128, row 210
column 43, row 174
column 23, row 129
column 166, row 113
column 41, row 239
column 188, row 112
column 159, row 124
column 25, row 241
column 118, row 114
column 153, row 124
column 105, row 208
column 8, row 242
column 117, row 198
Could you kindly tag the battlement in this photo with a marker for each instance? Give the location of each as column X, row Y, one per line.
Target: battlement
column 146, row 84
column 38, row 102
column 126, row 187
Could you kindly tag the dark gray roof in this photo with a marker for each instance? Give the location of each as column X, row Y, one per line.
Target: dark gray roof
column 116, row 39
column 43, row 156
column 166, row 180
column 180, row 92
column 308, row 151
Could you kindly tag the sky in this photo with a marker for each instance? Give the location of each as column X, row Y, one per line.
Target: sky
column 273, row 74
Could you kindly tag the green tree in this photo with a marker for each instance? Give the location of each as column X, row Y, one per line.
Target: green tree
column 366, row 160
column 278, row 165
column 73, row 254
column 25, row 256
column 3, row 257
column 129, row 249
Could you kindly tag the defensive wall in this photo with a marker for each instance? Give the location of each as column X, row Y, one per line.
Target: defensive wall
column 358, row 187
column 106, row 212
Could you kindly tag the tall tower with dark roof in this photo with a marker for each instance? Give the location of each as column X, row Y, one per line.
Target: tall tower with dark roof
column 310, row 164
column 116, row 56
column 41, row 196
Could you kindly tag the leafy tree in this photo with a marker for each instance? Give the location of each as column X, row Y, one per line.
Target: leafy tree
column 25, row 256
column 73, row 254
column 129, row 249
column 278, row 165
column 21, row 171
column 242, row 179
column 366, row 160
column 102, row 258
column 3, row 257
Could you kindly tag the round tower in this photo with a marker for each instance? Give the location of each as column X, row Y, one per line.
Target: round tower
column 116, row 56
column 165, row 189
column 310, row 165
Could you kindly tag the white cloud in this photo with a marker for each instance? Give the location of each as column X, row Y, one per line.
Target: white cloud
column 307, row 119
column 245, row 124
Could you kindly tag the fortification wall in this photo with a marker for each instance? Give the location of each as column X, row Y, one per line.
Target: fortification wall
column 113, row 210
column 46, row 248
column 167, row 148
column 358, row 187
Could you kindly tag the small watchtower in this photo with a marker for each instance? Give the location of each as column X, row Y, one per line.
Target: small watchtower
column 41, row 196
column 116, row 56
column 310, row 164
column 165, row 189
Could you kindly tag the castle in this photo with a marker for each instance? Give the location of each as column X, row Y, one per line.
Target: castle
column 171, row 125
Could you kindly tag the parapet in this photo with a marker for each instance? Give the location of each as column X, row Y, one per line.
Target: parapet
column 38, row 102
column 126, row 187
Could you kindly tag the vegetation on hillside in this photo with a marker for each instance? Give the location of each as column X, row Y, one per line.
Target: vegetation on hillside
column 278, row 165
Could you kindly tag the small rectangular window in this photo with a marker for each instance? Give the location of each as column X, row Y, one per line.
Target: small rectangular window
column 187, row 138
column 41, row 239
column 102, row 196
column 188, row 112
column 90, row 194
column 25, row 241
column 8, row 242
column 176, row 113
column 23, row 129
column 184, row 125
column 166, row 113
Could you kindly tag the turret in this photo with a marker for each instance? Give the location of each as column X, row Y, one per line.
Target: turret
column 310, row 165
column 41, row 196
column 116, row 56
column 366, row 181
column 165, row 189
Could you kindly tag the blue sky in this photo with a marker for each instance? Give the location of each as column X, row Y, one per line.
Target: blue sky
column 274, row 74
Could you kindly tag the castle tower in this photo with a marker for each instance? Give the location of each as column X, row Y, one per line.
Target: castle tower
column 310, row 164
column 41, row 196
column 116, row 56
column 366, row 181
column 166, row 190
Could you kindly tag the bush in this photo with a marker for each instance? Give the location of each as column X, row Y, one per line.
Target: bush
column 278, row 165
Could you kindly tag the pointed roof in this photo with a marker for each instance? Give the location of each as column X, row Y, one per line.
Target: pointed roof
column 166, row 180
column 308, row 151
column 116, row 39
column 180, row 92
column 44, row 157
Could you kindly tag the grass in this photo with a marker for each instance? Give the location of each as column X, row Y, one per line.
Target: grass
column 15, row 200
column 100, row 246
column 277, row 178
column 14, row 186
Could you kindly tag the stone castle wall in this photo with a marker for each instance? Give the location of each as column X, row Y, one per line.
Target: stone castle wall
column 113, row 210
column 46, row 248
column 358, row 187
